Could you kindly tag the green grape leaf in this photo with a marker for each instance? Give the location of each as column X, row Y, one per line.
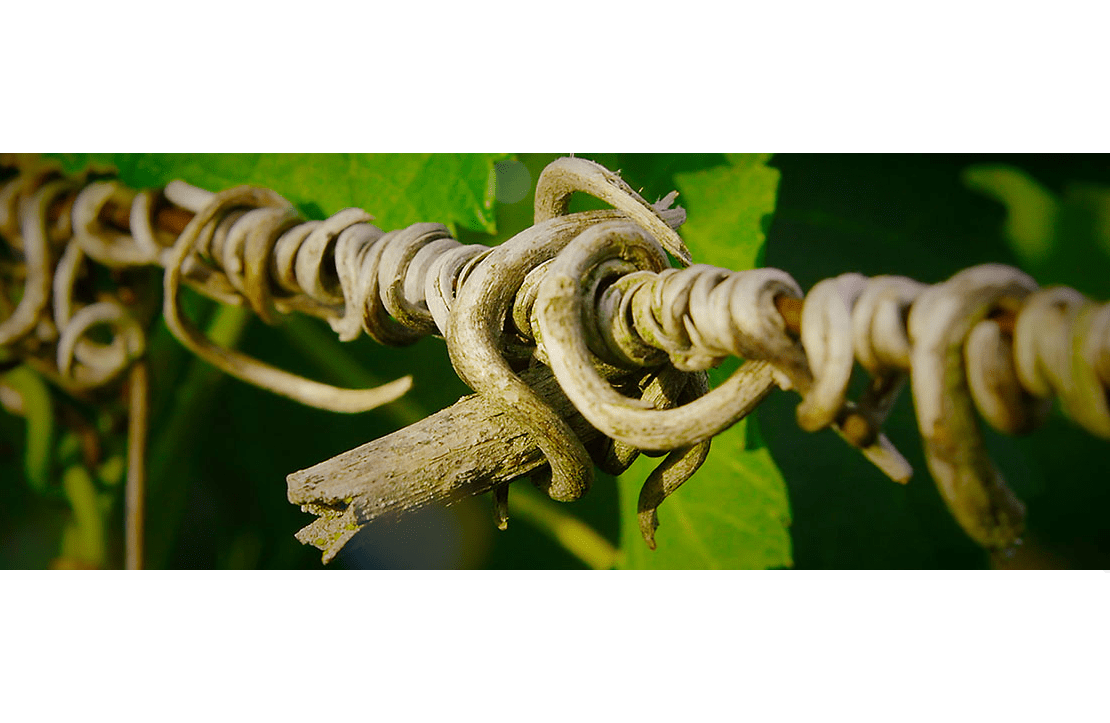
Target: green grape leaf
column 398, row 189
column 734, row 513
column 730, row 209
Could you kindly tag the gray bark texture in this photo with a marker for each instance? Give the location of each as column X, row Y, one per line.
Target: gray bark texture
column 465, row 450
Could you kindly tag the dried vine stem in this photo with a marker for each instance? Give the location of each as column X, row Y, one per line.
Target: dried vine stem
column 138, row 424
column 626, row 338
column 468, row 449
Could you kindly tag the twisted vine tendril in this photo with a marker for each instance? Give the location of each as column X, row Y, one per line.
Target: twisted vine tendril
column 591, row 295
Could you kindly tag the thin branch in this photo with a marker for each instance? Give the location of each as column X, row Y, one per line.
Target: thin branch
column 138, row 421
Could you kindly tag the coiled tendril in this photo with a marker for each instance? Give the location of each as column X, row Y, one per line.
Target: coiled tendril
column 593, row 296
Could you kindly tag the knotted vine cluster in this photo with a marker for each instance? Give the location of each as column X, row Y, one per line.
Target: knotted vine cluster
column 591, row 295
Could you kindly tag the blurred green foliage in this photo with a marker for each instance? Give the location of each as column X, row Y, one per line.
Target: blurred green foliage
column 770, row 495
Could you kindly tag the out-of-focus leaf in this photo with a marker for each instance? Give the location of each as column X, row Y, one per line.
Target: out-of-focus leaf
column 39, row 413
column 84, row 539
column 398, row 189
column 1059, row 238
column 734, row 513
column 1033, row 210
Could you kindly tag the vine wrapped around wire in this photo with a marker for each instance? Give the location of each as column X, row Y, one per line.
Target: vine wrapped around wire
column 590, row 295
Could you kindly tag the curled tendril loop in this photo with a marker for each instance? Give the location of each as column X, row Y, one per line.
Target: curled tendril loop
column 83, row 362
column 880, row 339
column 565, row 176
column 205, row 239
column 153, row 243
column 1061, row 348
column 34, row 234
column 839, row 319
column 97, row 364
column 560, row 312
column 827, row 338
column 79, row 362
column 940, row 322
column 593, row 296
column 385, row 276
column 476, row 338
column 679, row 466
column 105, row 245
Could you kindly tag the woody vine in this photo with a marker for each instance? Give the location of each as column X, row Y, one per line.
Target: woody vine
column 584, row 345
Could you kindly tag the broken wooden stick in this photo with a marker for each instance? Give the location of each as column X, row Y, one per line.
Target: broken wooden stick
column 469, row 448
